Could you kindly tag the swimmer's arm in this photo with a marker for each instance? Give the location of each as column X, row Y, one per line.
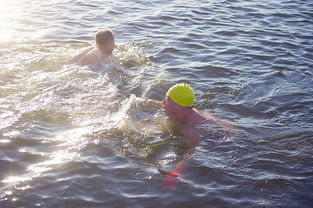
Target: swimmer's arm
column 192, row 137
column 228, row 124
column 230, row 127
column 179, row 168
column 153, row 102
column 80, row 54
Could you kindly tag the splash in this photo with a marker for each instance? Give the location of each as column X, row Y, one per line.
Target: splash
column 140, row 116
column 131, row 55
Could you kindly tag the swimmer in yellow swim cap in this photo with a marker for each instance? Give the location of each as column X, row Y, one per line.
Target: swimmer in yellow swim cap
column 178, row 105
column 179, row 101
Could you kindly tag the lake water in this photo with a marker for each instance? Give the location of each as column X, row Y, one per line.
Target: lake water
column 74, row 136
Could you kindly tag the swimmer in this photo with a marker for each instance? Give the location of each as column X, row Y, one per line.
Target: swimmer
column 194, row 124
column 103, row 49
column 178, row 105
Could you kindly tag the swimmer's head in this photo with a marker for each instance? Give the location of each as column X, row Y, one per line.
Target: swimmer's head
column 181, row 94
column 105, row 41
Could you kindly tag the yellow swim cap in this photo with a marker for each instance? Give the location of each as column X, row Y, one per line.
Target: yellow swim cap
column 181, row 94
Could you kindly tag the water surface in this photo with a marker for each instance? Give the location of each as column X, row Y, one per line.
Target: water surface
column 74, row 136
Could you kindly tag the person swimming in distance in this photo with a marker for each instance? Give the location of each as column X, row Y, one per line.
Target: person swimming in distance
column 103, row 49
column 194, row 124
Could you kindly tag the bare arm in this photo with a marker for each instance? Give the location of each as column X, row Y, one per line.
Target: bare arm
column 192, row 137
column 230, row 127
column 154, row 102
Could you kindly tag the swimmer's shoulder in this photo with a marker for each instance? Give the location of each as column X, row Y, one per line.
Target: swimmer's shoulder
column 78, row 55
column 93, row 56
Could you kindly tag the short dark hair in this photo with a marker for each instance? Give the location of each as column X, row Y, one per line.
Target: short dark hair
column 104, row 36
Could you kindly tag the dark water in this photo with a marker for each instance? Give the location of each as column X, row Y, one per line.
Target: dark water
column 75, row 136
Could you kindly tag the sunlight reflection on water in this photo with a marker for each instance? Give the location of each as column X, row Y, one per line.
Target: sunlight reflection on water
column 75, row 136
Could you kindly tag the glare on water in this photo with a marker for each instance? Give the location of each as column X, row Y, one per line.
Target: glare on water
column 83, row 136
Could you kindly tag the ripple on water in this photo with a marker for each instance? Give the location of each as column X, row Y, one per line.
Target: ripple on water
column 62, row 143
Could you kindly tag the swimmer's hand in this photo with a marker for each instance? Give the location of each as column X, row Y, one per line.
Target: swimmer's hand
column 177, row 172
column 171, row 178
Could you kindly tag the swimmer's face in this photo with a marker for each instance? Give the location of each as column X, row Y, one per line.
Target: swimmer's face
column 108, row 47
column 170, row 107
